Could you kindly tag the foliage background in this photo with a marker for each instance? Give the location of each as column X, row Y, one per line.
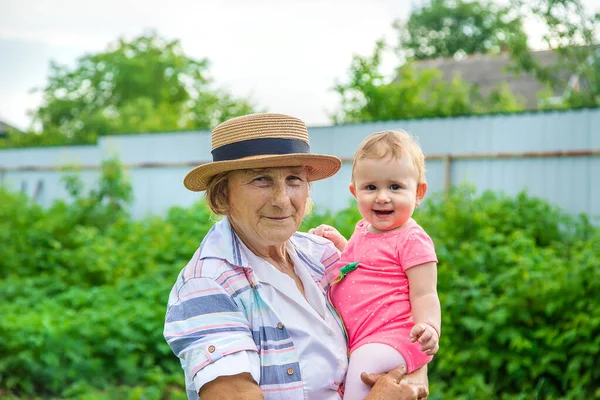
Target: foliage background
column 84, row 290
column 454, row 29
column 146, row 84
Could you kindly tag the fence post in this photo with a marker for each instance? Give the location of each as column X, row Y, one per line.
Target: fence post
column 447, row 173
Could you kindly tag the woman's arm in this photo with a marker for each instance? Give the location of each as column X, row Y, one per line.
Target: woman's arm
column 235, row 387
column 425, row 305
column 208, row 333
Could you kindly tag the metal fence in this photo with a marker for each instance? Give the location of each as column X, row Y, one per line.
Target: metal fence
column 552, row 155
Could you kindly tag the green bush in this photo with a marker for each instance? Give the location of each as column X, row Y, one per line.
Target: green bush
column 517, row 282
column 84, row 290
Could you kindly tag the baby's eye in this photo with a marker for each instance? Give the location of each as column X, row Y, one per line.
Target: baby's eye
column 395, row 186
column 371, row 187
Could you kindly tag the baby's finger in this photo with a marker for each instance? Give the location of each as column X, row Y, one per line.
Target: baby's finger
column 428, row 345
column 319, row 230
column 426, row 336
column 433, row 351
column 416, row 332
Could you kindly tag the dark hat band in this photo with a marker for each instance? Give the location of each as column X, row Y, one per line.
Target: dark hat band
column 259, row 147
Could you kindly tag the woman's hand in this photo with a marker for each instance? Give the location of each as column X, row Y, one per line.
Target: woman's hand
column 396, row 385
column 329, row 232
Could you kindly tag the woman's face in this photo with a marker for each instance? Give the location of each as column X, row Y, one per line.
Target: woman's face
column 266, row 206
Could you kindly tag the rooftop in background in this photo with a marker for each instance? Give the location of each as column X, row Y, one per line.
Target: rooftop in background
column 4, row 127
column 489, row 71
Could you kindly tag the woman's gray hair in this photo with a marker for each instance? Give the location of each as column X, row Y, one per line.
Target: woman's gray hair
column 217, row 193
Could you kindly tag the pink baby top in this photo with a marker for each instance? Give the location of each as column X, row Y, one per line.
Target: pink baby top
column 373, row 300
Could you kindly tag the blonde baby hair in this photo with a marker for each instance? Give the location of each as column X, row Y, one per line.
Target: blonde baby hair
column 391, row 144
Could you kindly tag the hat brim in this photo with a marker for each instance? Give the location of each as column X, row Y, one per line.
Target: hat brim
column 320, row 167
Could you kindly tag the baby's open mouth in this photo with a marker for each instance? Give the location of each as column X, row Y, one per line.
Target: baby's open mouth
column 383, row 212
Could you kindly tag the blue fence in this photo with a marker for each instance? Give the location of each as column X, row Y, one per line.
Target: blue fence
column 553, row 155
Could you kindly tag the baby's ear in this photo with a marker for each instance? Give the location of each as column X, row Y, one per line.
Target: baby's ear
column 421, row 190
column 352, row 189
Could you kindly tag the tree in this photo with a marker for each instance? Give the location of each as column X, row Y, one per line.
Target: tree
column 413, row 93
column 445, row 28
column 440, row 28
column 573, row 34
column 143, row 85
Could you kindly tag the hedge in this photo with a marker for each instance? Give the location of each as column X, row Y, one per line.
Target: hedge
column 84, row 290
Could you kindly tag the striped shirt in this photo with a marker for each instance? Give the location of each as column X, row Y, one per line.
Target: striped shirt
column 218, row 311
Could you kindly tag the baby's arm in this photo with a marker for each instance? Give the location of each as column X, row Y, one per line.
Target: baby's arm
column 425, row 304
column 329, row 232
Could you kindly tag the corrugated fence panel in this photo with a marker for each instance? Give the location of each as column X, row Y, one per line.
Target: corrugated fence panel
column 41, row 182
column 158, row 164
column 484, row 151
column 593, row 190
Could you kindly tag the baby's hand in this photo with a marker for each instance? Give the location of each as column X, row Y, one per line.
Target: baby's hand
column 329, row 232
column 427, row 337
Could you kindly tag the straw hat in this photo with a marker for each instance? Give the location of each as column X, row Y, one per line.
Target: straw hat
column 261, row 141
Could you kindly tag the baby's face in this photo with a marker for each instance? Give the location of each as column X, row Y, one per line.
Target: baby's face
column 386, row 191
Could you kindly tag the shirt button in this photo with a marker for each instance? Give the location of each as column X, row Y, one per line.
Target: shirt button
column 290, row 371
column 329, row 333
column 211, row 349
column 280, row 326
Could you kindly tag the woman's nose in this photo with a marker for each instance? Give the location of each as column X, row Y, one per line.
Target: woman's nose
column 280, row 195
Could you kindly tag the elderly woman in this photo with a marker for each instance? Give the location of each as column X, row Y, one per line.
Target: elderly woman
column 248, row 316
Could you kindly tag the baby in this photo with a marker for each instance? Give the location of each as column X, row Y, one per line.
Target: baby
column 386, row 290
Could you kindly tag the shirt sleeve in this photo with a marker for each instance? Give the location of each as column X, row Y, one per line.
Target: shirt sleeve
column 329, row 259
column 417, row 248
column 233, row 364
column 211, row 336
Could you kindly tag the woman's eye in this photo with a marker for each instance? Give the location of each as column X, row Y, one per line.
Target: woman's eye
column 261, row 180
column 294, row 180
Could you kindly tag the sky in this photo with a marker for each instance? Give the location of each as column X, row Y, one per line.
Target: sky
column 285, row 55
